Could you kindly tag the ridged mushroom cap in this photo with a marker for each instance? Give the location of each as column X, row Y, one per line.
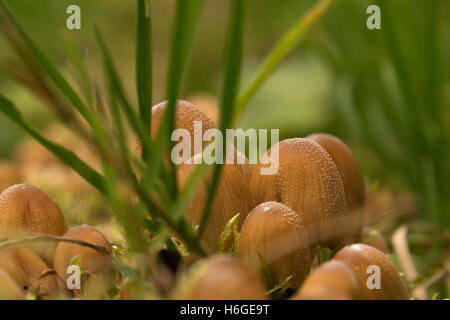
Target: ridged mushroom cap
column 308, row 182
column 277, row 234
column 232, row 197
column 333, row 280
column 220, row 277
column 351, row 176
column 26, row 210
column 359, row 257
column 92, row 261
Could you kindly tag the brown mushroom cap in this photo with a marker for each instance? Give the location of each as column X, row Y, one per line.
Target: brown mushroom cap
column 333, row 280
column 359, row 257
column 277, row 233
column 232, row 197
column 351, row 176
column 185, row 116
column 27, row 269
column 9, row 290
column 95, row 263
column 244, row 165
column 26, row 210
column 220, row 277
column 307, row 181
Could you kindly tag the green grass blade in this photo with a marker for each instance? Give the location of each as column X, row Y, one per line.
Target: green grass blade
column 53, row 73
column 233, row 60
column 66, row 156
column 144, row 67
column 186, row 16
column 135, row 122
column 290, row 40
column 189, row 190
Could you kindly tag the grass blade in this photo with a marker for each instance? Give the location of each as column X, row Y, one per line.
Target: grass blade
column 144, row 67
column 66, row 156
column 135, row 122
column 282, row 49
column 233, row 60
column 186, row 16
column 54, row 74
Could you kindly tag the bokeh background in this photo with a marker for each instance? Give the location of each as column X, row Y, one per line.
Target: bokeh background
column 384, row 92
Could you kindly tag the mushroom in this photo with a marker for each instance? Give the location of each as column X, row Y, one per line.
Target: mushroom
column 28, row 270
column 232, row 197
column 27, row 211
column 367, row 261
column 308, row 182
column 333, row 280
column 219, row 277
column 352, row 179
column 9, row 290
column 275, row 234
column 185, row 117
column 96, row 265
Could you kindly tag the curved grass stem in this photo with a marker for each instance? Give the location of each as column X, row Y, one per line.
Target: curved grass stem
column 290, row 40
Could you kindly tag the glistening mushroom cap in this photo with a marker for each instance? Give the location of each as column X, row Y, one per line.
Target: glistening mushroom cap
column 352, row 179
column 308, row 182
column 275, row 233
column 232, row 197
column 366, row 261
column 220, row 277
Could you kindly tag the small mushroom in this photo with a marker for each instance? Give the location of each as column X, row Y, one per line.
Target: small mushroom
column 232, row 197
column 367, row 261
column 352, row 179
column 333, row 280
column 96, row 265
column 185, row 117
column 27, row 211
column 219, row 277
column 308, row 182
column 27, row 269
column 275, row 234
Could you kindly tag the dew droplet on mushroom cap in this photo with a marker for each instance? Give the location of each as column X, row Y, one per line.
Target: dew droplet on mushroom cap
column 308, row 182
column 232, row 197
column 97, row 264
column 26, row 268
column 220, row 277
column 277, row 233
column 359, row 257
column 333, row 280
column 351, row 176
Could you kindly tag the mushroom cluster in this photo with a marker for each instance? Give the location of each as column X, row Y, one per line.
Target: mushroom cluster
column 38, row 247
column 315, row 200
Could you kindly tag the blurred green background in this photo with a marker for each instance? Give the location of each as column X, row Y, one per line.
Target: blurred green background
column 384, row 92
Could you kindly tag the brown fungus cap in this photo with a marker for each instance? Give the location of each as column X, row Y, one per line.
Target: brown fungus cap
column 333, row 280
column 96, row 264
column 26, row 210
column 362, row 259
column 308, row 182
column 351, row 176
column 220, row 277
column 232, row 197
column 275, row 233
